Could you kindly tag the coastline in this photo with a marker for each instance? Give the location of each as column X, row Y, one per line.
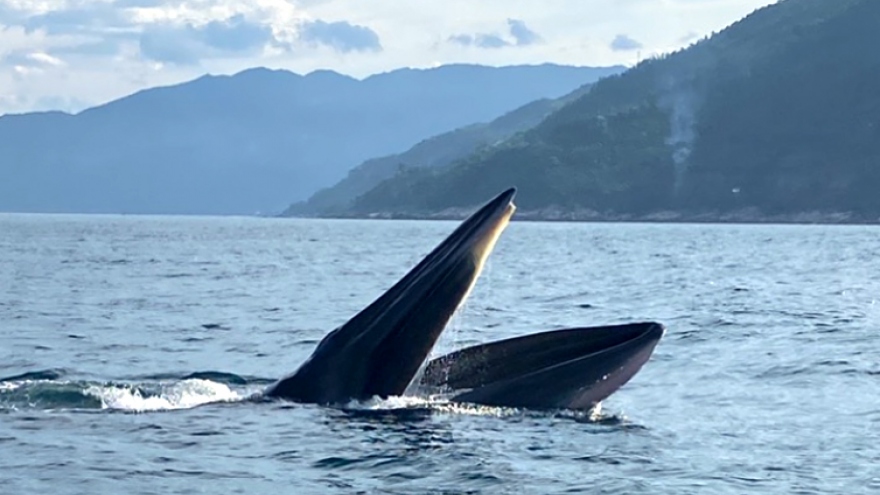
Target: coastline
column 554, row 214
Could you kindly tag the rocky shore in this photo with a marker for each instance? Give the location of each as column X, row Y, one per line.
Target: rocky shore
column 557, row 214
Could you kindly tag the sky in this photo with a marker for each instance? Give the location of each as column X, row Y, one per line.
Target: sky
column 73, row 54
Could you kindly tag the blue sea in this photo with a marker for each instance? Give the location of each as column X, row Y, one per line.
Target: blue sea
column 131, row 348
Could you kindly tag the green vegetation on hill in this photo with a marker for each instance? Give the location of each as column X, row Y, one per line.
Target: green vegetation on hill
column 779, row 113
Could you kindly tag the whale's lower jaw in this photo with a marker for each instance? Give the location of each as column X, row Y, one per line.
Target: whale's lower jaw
column 573, row 368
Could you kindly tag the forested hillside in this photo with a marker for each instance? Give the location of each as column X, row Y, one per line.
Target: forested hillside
column 777, row 114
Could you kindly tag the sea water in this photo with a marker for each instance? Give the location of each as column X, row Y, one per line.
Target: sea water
column 133, row 350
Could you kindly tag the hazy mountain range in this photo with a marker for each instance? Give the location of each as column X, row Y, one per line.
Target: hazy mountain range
column 251, row 142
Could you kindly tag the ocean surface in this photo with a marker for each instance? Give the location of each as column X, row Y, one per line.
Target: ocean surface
column 131, row 349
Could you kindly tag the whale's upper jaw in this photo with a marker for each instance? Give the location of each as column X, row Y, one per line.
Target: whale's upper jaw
column 380, row 349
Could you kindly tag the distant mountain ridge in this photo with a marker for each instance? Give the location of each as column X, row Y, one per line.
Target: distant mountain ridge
column 432, row 153
column 250, row 142
column 775, row 117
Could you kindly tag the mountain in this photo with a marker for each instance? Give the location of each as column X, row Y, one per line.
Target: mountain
column 437, row 151
column 776, row 116
column 251, row 142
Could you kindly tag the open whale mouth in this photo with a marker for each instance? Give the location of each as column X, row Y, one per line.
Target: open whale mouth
column 380, row 350
column 574, row 368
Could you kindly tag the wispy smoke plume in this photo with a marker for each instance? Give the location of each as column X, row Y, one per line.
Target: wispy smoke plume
column 681, row 101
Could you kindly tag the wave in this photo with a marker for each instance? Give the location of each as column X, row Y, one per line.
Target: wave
column 48, row 390
column 184, row 394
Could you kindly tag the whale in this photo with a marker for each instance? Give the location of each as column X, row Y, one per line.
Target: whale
column 384, row 349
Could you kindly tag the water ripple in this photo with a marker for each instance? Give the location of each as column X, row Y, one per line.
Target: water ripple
column 765, row 383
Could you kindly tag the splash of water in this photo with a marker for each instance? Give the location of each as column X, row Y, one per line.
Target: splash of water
column 185, row 394
column 435, row 403
column 9, row 386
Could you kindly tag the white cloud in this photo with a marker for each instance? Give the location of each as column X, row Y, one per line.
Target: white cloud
column 96, row 50
column 340, row 35
column 518, row 34
column 623, row 43
column 522, row 34
column 31, row 60
column 25, row 63
column 189, row 43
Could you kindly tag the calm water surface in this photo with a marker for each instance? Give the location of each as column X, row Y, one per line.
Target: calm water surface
column 143, row 337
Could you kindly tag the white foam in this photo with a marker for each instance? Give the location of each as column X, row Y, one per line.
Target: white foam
column 476, row 409
column 442, row 404
column 9, row 386
column 400, row 402
column 378, row 404
column 185, row 394
column 438, row 403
